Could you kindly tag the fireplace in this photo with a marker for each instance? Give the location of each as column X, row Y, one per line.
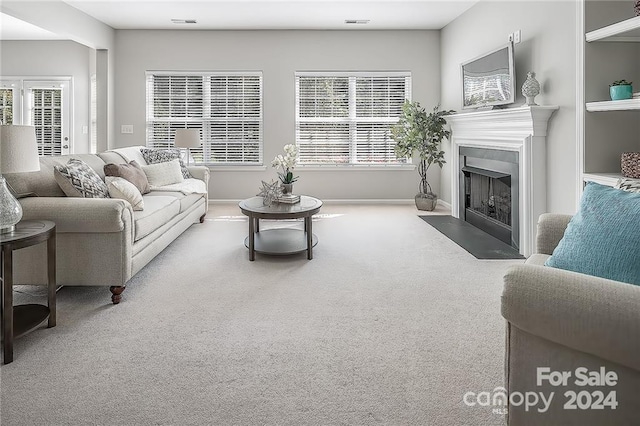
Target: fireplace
column 489, row 192
column 506, row 148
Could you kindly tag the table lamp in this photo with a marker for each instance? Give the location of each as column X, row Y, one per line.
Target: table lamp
column 187, row 138
column 18, row 154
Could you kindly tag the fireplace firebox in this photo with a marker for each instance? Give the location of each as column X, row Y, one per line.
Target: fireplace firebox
column 489, row 192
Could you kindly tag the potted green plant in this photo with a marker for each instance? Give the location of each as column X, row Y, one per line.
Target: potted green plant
column 620, row 89
column 421, row 132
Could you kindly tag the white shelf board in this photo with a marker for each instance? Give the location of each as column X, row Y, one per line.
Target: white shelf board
column 627, row 30
column 625, row 105
column 609, row 179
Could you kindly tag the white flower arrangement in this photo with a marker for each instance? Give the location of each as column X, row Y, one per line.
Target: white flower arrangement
column 287, row 163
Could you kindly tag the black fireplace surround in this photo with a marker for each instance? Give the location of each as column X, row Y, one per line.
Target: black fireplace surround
column 489, row 199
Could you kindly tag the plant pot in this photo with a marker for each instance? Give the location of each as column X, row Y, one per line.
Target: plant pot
column 426, row 202
column 287, row 188
column 623, row 91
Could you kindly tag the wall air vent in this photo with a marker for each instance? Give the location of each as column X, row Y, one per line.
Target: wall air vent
column 356, row 21
column 183, row 21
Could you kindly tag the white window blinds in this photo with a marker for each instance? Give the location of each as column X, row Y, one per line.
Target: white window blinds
column 6, row 105
column 226, row 107
column 46, row 116
column 346, row 118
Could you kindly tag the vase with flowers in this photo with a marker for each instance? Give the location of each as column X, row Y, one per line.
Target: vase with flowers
column 286, row 163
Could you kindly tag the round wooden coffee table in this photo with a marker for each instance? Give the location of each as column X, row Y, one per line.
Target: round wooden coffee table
column 281, row 241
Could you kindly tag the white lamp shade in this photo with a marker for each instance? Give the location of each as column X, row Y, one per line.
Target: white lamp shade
column 187, row 138
column 18, row 149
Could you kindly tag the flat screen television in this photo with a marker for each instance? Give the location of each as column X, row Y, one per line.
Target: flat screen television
column 489, row 80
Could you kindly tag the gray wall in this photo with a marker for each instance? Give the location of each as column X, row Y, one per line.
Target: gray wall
column 54, row 59
column 548, row 48
column 278, row 54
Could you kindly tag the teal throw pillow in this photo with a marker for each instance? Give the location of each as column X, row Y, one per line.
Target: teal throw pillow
column 603, row 238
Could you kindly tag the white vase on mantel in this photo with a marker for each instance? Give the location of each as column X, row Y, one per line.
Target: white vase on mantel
column 531, row 88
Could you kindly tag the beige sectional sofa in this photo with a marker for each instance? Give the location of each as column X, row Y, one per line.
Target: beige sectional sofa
column 563, row 320
column 101, row 241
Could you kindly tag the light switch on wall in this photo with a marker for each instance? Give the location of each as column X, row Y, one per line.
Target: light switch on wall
column 126, row 128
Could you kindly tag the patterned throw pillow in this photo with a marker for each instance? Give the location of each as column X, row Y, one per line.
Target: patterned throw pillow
column 78, row 179
column 162, row 155
column 631, row 185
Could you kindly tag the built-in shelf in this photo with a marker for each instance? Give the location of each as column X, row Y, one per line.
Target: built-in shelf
column 624, row 105
column 627, row 30
column 609, row 179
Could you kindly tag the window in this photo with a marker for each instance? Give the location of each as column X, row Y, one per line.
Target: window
column 6, row 105
column 346, row 118
column 226, row 107
column 44, row 104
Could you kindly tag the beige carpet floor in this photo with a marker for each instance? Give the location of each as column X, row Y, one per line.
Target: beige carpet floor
column 390, row 323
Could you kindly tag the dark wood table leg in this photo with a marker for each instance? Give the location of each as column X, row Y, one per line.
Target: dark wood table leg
column 51, row 275
column 309, row 231
column 252, row 253
column 257, row 224
column 7, row 303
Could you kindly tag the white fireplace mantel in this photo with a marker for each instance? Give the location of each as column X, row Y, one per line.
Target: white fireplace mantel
column 523, row 130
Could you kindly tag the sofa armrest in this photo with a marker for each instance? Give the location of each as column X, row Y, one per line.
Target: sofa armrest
column 80, row 215
column 551, row 227
column 200, row 172
column 586, row 313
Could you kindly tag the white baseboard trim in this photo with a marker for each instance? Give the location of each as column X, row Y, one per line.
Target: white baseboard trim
column 389, row 201
column 444, row 204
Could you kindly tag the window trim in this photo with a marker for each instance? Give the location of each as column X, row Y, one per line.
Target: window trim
column 207, row 106
column 351, row 119
column 23, row 85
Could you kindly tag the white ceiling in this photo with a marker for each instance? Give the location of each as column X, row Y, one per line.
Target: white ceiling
column 261, row 14
column 14, row 29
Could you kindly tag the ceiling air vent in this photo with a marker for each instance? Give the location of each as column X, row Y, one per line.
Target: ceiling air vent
column 183, row 21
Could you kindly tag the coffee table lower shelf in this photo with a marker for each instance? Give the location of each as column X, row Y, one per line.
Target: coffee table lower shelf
column 28, row 317
column 281, row 242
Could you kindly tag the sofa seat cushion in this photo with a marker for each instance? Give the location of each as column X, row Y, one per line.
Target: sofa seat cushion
column 157, row 211
column 186, row 201
column 537, row 259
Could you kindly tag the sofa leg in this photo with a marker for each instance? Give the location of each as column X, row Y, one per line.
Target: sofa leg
column 202, row 218
column 116, row 292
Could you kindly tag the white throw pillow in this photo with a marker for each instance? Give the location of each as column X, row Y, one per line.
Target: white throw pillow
column 124, row 190
column 161, row 174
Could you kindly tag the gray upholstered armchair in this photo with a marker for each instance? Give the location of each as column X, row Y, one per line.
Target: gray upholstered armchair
column 563, row 321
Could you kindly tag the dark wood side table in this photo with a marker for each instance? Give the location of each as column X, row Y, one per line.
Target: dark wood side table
column 21, row 319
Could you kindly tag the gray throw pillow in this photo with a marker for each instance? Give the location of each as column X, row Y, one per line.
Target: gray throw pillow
column 78, row 179
column 132, row 172
column 162, row 155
